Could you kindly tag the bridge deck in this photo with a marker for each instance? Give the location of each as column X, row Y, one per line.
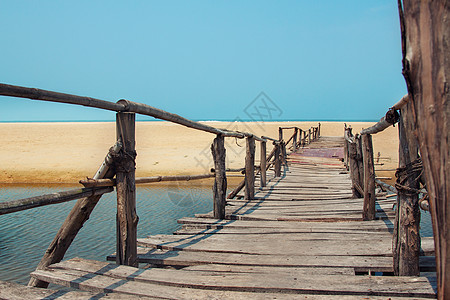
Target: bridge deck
column 301, row 237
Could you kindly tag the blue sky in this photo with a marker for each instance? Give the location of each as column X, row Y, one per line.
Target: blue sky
column 205, row 60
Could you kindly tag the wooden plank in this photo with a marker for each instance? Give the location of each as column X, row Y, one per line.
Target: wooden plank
column 265, row 245
column 214, row 223
column 281, row 283
column 359, row 263
column 14, row 291
column 270, row 271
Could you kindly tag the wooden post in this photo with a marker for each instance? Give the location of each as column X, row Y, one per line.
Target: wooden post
column 250, row 168
column 300, row 137
column 369, row 179
column 318, row 131
column 283, row 153
column 263, row 164
column 406, row 238
column 220, row 182
column 280, row 134
column 354, row 172
column 426, row 68
column 73, row 223
column 277, row 162
column 309, row 136
column 127, row 219
column 294, row 140
column 359, row 160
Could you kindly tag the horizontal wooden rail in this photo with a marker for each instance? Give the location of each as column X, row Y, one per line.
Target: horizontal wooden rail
column 120, row 106
column 270, row 139
column 141, row 180
column 54, row 198
column 388, row 120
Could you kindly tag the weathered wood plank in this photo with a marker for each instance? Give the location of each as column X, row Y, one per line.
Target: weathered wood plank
column 282, row 283
column 14, row 291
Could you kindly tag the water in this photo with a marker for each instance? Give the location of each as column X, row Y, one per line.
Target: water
column 24, row 236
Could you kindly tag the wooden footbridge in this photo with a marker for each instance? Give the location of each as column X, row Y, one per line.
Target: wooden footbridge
column 313, row 231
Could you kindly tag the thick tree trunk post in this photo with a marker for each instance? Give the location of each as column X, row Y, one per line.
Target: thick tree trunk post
column 277, row 161
column 426, row 65
column 127, row 219
column 354, row 172
column 406, row 239
column 309, row 136
column 280, row 134
column 250, row 168
column 263, row 164
column 369, row 179
column 294, row 140
column 220, row 182
column 359, row 160
column 73, row 223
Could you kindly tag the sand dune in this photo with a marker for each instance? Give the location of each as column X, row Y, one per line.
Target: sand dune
column 68, row 152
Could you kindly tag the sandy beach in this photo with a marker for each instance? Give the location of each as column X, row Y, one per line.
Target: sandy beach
column 68, row 152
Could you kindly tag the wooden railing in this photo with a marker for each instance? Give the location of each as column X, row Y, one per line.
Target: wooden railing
column 358, row 157
column 276, row 158
column 118, row 169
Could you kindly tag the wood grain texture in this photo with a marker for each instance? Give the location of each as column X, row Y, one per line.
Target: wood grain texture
column 426, row 68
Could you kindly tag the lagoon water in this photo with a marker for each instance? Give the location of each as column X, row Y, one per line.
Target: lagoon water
column 24, row 236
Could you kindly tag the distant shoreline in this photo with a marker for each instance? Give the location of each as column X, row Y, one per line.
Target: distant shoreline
column 65, row 152
column 203, row 121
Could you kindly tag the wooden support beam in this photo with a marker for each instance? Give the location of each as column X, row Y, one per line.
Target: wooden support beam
column 263, row 164
column 79, row 214
column 318, row 131
column 127, row 218
column 309, row 136
column 250, row 169
column 406, row 237
column 369, row 178
column 220, row 182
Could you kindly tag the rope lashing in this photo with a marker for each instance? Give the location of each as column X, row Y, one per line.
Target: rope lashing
column 413, row 169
